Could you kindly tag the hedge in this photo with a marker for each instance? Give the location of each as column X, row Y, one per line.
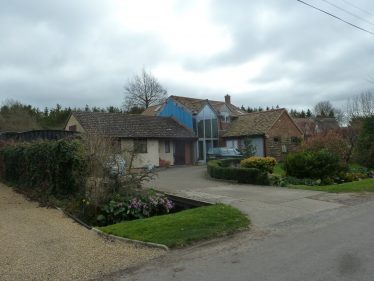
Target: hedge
column 52, row 167
column 312, row 164
column 265, row 164
column 220, row 169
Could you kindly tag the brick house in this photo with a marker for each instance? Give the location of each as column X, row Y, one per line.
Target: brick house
column 273, row 133
column 156, row 139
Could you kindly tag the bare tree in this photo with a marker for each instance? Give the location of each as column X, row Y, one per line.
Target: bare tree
column 143, row 91
column 326, row 109
column 361, row 105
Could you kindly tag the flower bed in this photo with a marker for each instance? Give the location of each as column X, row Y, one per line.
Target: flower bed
column 144, row 206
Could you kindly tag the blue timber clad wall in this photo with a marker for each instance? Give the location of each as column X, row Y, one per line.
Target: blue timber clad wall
column 172, row 109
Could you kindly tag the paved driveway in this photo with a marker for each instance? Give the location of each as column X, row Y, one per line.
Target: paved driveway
column 265, row 205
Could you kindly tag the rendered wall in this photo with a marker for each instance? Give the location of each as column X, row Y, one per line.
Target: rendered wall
column 166, row 156
column 142, row 159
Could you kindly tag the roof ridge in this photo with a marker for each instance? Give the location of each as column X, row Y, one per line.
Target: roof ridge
column 264, row 111
column 197, row 99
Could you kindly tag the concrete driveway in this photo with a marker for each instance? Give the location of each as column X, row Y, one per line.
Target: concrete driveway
column 265, row 205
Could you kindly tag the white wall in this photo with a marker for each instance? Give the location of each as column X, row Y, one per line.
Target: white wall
column 166, row 156
column 142, row 159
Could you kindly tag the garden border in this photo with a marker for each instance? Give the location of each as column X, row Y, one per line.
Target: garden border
column 110, row 236
column 123, row 239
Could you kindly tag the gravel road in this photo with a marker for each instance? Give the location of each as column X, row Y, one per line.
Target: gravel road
column 42, row 244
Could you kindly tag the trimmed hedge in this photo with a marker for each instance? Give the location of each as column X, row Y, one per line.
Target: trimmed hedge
column 52, row 167
column 221, row 169
column 265, row 164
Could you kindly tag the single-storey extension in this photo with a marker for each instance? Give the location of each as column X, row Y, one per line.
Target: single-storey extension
column 157, row 140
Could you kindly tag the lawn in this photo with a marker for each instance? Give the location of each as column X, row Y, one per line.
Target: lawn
column 182, row 228
column 355, row 186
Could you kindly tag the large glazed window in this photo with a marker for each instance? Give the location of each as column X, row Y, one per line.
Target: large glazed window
column 207, row 130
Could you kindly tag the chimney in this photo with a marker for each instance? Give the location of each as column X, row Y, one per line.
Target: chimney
column 228, row 99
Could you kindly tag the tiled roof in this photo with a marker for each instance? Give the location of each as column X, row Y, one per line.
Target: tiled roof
column 195, row 105
column 326, row 123
column 152, row 110
column 131, row 125
column 255, row 123
column 307, row 125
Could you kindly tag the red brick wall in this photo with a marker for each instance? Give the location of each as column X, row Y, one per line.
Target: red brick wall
column 287, row 133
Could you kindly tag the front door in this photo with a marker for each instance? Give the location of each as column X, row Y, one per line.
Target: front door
column 179, row 153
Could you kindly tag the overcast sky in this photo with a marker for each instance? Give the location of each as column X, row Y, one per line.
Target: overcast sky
column 262, row 53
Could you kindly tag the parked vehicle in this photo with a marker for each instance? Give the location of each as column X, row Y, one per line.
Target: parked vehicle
column 223, row 152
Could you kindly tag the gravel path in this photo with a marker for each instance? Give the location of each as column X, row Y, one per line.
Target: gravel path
column 42, row 244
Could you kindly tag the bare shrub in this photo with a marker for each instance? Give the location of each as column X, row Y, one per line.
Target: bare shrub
column 338, row 142
column 111, row 171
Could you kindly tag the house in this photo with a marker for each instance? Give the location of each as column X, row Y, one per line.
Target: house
column 307, row 125
column 318, row 125
column 156, row 139
column 273, row 133
column 209, row 119
column 325, row 124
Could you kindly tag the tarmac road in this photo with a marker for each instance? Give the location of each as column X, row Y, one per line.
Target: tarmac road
column 296, row 235
column 335, row 244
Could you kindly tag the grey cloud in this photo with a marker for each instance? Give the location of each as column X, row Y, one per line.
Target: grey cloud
column 68, row 53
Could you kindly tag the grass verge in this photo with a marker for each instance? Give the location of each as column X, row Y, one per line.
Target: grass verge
column 182, row 228
column 355, row 186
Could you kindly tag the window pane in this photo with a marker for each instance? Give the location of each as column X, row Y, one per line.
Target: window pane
column 201, row 128
column 167, row 146
column 140, row 146
column 215, row 128
column 208, row 129
column 201, row 150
